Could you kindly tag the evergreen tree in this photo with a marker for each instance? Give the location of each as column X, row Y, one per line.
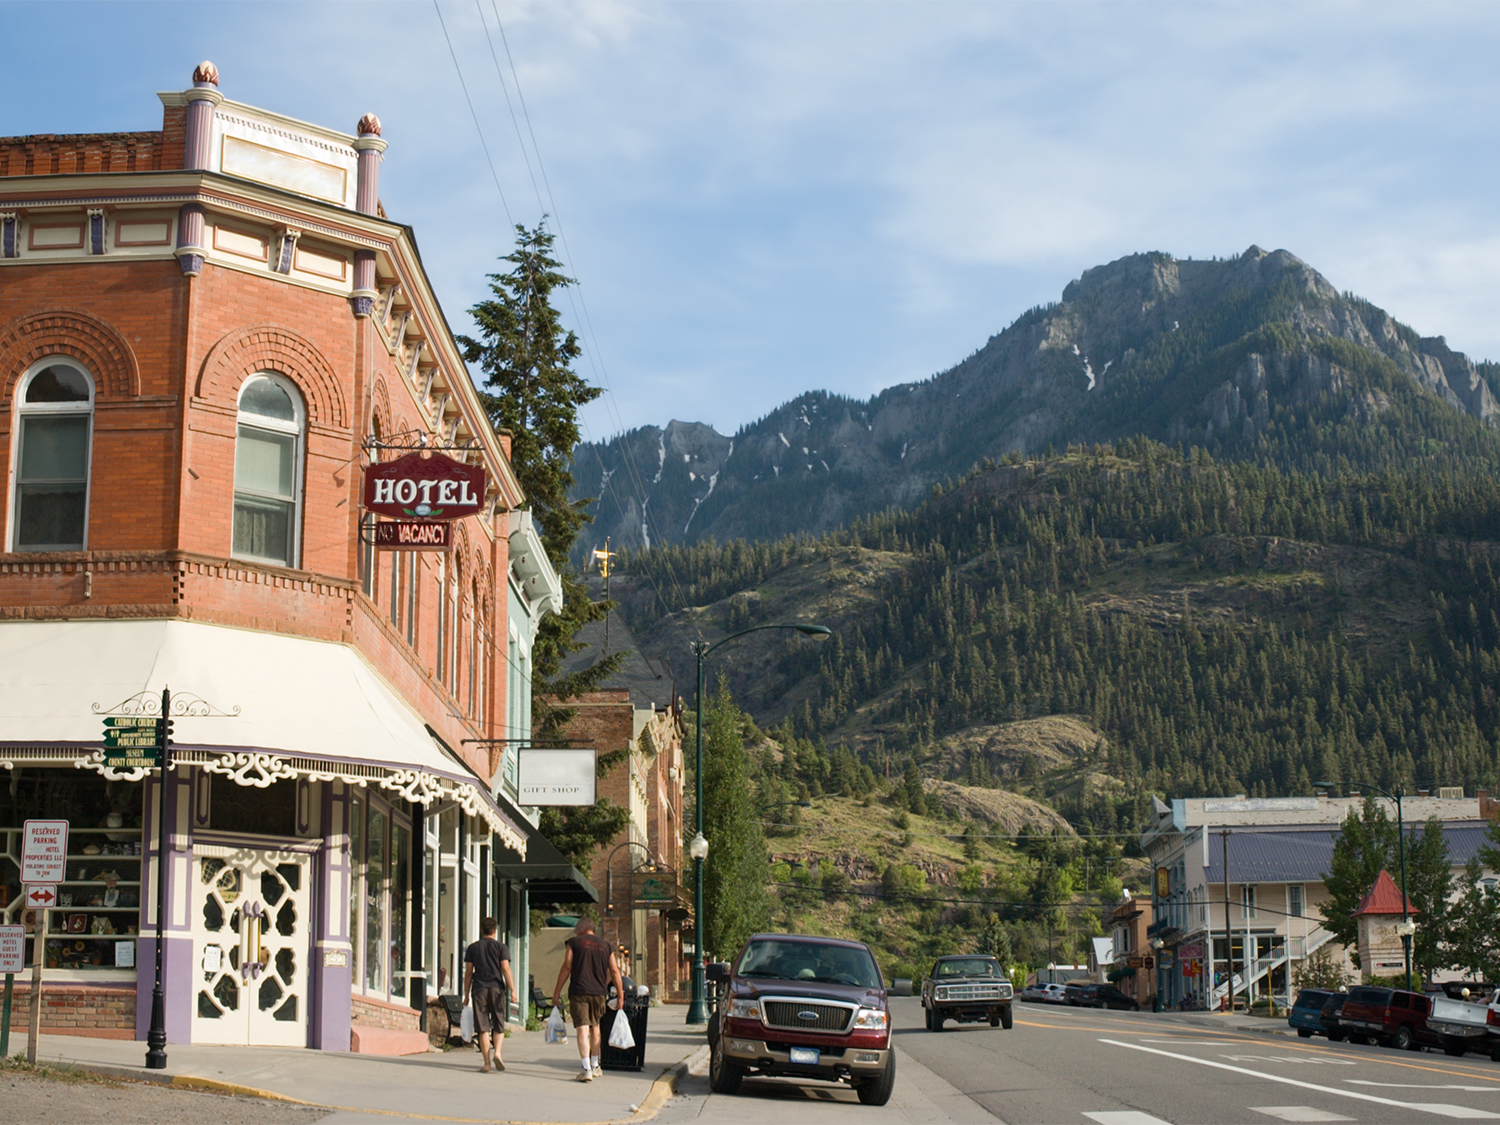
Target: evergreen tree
column 531, row 393
column 734, row 874
column 1366, row 842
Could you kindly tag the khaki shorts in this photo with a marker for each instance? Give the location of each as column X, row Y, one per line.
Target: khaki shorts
column 587, row 1010
column 489, row 1008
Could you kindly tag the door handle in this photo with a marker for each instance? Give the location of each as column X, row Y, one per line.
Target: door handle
column 250, row 967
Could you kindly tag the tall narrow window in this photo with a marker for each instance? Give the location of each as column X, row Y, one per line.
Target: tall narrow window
column 396, row 587
column 52, row 463
column 267, row 468
column 473, row 649
column 1248, row 901
column 442, row 620
column 1294, row 900
column 413, row 571
column 367, row 554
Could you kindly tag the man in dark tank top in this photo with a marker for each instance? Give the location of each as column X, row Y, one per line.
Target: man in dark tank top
column 589, row 967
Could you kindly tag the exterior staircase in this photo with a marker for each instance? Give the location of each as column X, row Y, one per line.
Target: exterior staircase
column 1293, row 949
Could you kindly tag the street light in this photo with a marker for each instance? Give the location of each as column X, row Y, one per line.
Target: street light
column 698, row 848
column 1406, row 928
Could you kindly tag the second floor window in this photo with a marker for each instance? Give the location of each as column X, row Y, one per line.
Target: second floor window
column 52, row 461
column 267, row 471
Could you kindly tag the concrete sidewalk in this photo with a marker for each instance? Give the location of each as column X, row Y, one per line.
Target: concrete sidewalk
column 537, row 1085
column 1229, row 1021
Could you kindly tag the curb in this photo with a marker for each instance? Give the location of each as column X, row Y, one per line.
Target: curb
column 665, row 1086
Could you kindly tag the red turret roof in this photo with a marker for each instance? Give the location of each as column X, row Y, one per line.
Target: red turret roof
column 1384, row 898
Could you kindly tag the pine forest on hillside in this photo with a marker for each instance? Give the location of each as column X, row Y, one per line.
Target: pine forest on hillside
column 1223, row 627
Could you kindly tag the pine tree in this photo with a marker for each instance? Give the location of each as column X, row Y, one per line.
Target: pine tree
column 734, row 891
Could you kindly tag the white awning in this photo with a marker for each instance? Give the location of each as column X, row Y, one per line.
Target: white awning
column 257, row 707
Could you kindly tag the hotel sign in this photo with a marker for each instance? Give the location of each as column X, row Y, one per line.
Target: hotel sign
column 424, row 487
column 414, row 535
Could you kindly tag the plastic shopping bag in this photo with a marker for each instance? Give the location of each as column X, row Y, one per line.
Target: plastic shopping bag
column 620, row 1035
column 556, row 1031
column 466, row 1024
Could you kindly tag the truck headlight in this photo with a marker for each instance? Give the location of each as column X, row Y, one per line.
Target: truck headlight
column 744, row 1009
column 941, row 994
column 871, row 1019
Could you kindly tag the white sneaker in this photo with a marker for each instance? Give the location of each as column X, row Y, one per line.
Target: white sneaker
column 598, row 1072
column 584, row 1076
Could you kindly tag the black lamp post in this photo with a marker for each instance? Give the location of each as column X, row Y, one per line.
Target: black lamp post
column 1407, row 927
column 156, row 1035
column 698, row 848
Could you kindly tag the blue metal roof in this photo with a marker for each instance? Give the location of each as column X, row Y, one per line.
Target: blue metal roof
column 1303, row 855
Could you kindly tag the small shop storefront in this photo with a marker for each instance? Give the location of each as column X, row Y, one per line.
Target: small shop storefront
column 326, row 858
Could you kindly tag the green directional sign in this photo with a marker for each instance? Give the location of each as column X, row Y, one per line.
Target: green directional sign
column 129, row 722
column 132, row 759
column 129, row 738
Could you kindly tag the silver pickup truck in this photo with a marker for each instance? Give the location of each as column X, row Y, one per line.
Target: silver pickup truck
column 1467, row 1026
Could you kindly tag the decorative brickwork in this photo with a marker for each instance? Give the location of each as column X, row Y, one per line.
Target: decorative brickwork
column 70, row 332
column 271, row 347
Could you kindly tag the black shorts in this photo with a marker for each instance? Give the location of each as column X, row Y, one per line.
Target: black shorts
column 489, row 1007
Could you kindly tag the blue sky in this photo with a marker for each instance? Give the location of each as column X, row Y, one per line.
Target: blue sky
column 761, row 199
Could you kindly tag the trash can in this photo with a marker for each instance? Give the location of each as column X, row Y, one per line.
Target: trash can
column 635, row 1010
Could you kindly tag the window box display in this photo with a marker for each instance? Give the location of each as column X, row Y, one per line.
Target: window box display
column 98, row 907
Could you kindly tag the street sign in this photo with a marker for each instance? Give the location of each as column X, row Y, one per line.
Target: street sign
column 41, row 896
column 44, row 851
column 12, row 949
column 138, row 722
column 133, row 758
column 129, row 738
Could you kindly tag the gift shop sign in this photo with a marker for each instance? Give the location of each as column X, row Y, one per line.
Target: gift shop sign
column 424, row 487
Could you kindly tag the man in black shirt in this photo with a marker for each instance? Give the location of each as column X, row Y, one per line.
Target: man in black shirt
column 487, row 979
column 589, row 967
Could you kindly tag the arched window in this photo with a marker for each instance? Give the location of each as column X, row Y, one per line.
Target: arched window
column 55, row 419
column 268, row 471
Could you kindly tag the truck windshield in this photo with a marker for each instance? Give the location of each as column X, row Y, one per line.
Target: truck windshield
column 781, row 959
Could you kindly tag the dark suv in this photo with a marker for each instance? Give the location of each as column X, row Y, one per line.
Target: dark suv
column 802, row 1007
column 1100, row 996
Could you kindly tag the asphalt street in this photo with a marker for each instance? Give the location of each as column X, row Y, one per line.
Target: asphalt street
column 1068, row 1066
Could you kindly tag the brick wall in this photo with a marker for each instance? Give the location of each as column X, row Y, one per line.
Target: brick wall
column 99, row 1011
column 368, row 1012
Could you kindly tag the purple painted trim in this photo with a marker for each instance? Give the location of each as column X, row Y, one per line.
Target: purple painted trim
column 10, row 238
column 96, row 234
column 329, row 987
column 192, row 264
column 266, row 843
column 363, row 307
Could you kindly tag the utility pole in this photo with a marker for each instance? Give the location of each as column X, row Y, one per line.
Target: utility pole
column 1228, row 923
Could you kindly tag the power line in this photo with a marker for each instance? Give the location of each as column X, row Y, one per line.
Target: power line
column 595, row 356
column 465, row 86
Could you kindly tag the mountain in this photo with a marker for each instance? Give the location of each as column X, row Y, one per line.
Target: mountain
column 1255, row 358
column 1089, row 627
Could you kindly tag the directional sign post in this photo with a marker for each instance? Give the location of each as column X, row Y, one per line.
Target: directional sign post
column 44, row 863
column 131, row 742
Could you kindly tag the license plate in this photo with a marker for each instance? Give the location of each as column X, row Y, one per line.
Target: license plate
column 805, row 1056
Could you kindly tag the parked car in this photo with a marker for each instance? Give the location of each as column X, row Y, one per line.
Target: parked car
column 1306, row 1014
column 1392, row 1017
column 802, row 1007
column 1466, row 1017
column 1043, row 994
column 1090, row 995
column 967, row 989
column 1328, row 1018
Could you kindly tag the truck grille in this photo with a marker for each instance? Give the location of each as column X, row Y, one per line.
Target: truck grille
column 788, row 1014
column 963, row 993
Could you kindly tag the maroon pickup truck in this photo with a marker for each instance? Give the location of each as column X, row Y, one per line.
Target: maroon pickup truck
column 802, row 1007
column 1391, row 1017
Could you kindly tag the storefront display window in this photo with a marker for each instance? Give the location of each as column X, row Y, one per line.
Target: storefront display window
column 380, row 882
column 95, row 925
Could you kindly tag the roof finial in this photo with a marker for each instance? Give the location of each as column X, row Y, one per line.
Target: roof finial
column 369, row 125
column 206, row 75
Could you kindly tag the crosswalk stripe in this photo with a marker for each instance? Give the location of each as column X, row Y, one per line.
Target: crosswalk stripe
column 1298, row 1113
column 1125, row 1117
